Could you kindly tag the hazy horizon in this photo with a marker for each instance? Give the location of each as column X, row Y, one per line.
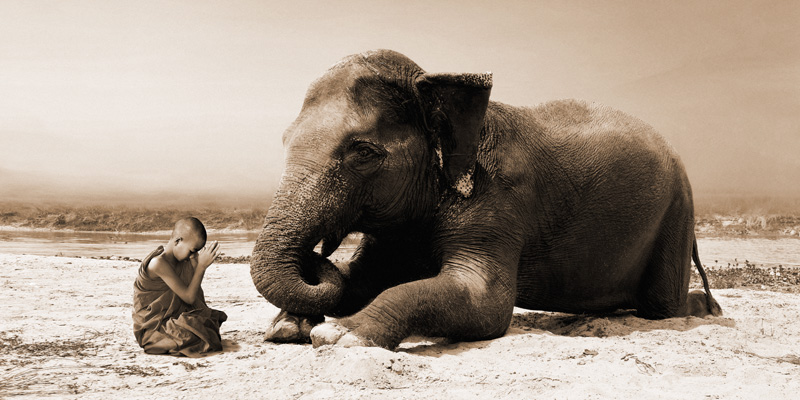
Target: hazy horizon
column 144, row 100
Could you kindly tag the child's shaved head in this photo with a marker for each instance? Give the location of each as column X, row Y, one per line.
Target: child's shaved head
column 189, row 225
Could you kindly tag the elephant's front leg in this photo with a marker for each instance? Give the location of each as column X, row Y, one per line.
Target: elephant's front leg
column 287, row 327
column 290, row 327
column 364, row 276
column 469, row 300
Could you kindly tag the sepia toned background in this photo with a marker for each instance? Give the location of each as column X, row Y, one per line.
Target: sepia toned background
column 136, row 101
column 118, row 117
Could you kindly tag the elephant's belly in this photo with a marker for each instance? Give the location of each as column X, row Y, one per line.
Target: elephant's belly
column 574, row 302
column 594, row 263
column 578, row 285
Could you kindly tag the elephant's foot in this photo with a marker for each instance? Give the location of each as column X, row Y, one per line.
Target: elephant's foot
column 333, row 333
column 700, row 305
column 292, row 328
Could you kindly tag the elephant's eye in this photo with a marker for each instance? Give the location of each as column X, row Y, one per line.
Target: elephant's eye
column 366, row 151
column 365, row 154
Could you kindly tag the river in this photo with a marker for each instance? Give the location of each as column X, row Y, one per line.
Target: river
column 714, row 251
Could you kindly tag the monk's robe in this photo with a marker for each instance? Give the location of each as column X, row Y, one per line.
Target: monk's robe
column 165, row 324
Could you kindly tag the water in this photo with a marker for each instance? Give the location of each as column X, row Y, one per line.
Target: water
column 713, row 251
column 769, row 252
column 94, row 244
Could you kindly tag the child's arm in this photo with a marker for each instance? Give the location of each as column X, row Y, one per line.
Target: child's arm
column 188, row 294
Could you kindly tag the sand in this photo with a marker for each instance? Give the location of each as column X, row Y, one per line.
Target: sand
column 65, row 332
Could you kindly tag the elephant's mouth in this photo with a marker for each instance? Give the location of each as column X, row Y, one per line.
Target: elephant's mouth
column 329, row 244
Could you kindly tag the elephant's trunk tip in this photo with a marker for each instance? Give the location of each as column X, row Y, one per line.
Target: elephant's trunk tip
column 301, row 282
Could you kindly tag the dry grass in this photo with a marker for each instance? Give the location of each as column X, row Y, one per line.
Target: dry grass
column 780, row 278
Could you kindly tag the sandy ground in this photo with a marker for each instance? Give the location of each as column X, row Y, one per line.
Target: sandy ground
column 65, row 331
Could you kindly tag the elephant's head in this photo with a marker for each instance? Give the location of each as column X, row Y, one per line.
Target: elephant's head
column 376, row 144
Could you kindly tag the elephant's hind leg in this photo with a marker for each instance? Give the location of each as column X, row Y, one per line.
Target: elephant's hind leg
column 663, row 290
column 700, row 305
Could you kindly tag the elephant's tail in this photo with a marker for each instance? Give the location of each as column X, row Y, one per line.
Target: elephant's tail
column 713, row 307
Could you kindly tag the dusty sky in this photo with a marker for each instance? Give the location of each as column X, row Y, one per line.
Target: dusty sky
column 155, row 96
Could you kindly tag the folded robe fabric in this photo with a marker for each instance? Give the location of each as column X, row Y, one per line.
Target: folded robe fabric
column 165, row 324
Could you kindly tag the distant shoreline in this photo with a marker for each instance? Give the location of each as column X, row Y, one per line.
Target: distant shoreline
column 11, row 228
column 704, row 227
column 116, row 219
column 728, row 218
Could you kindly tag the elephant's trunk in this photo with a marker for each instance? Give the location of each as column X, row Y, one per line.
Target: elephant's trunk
column 284, row 267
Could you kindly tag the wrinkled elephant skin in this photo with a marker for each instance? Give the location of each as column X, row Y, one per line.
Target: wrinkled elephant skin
column 468, row 207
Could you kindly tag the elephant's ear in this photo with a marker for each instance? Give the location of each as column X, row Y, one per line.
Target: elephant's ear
column 454, row 106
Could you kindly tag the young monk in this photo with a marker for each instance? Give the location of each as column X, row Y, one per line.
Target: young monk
column 170, row 315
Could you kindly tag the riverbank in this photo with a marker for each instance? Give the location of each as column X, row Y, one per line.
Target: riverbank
column 66, row 332
column 721, row 219
column 128, row 219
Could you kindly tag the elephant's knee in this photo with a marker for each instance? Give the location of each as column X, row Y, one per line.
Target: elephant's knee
column 490, row 315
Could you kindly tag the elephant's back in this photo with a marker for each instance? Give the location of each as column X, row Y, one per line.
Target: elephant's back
column 597, row 145
column 575, row 122
column 585, row 153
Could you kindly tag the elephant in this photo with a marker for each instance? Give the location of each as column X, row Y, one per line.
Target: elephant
column 466, row 208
